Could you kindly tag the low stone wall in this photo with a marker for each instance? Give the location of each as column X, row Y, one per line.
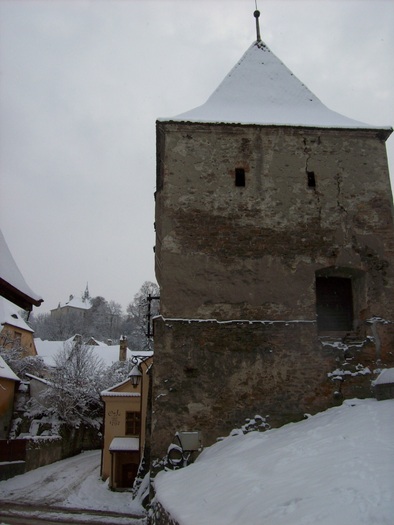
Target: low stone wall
column 159, row 516
column 21, row 455
column 11, row 468
column 75, row 440
column 29, row 453
column 42, row 451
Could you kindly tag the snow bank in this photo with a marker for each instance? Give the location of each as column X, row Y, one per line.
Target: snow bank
column 335, row 467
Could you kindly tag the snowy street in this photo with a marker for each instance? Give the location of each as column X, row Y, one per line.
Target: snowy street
column 67, row 491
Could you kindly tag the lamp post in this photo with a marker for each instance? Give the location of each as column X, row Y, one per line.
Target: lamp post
column 135, row 374
column 136, row 378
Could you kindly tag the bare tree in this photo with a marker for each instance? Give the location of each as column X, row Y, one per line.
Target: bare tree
column 136, row 326
column 105, row 320
column 76, row 383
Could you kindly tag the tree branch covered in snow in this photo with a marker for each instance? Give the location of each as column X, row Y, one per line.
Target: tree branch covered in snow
column 15, row 356
column 74, row 390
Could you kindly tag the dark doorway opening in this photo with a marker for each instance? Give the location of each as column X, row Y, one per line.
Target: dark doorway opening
column 334, row 304
column 129, row 473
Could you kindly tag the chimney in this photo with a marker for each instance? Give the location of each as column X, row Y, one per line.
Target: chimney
column 122, row 348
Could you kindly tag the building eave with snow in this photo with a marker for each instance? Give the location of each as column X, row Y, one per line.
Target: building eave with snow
column 13, row 286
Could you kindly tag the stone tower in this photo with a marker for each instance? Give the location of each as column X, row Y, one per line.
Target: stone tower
column 274, row 256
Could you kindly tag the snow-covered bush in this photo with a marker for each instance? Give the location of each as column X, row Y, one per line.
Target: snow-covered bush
column 16, row 358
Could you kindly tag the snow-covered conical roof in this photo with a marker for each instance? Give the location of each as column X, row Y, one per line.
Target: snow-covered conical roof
column 261, row 90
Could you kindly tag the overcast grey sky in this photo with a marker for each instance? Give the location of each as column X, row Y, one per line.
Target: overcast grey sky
column 82, row 83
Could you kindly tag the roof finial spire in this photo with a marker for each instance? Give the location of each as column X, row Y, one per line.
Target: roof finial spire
column 256, row 14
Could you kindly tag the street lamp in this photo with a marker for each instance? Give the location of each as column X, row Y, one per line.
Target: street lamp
column 135, row 375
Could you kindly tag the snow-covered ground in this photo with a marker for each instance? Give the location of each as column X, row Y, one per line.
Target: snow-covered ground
column 336, row 467
column 70, row 483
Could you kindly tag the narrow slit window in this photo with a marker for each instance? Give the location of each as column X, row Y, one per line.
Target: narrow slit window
column 311, row 179
column 239, row 177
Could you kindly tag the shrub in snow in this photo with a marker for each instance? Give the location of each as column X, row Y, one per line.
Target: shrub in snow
column 16, row 359
column 257, row 423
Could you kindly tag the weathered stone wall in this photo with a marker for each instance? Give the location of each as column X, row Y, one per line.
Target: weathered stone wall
column 159, row 516
column 211, row 376
column 251, row 253
column 42, row 451
column 76, row 440
column 12, row 469
column 21, row 455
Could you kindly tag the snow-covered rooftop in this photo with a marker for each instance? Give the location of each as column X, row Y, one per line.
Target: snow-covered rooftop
column 6, row 372
column 124, row 444
column 386, row 376
column 261, row 90
column 13, row 284
column 109, row 354
column 112, row 393
column 9, row 314
column 76, row 302
column 47, row 350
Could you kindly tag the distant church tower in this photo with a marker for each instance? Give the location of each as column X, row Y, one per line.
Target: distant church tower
column 274, row 256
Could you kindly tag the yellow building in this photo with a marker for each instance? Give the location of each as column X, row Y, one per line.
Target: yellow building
column 8, row 383
column 125, row 418
column 15, row 333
